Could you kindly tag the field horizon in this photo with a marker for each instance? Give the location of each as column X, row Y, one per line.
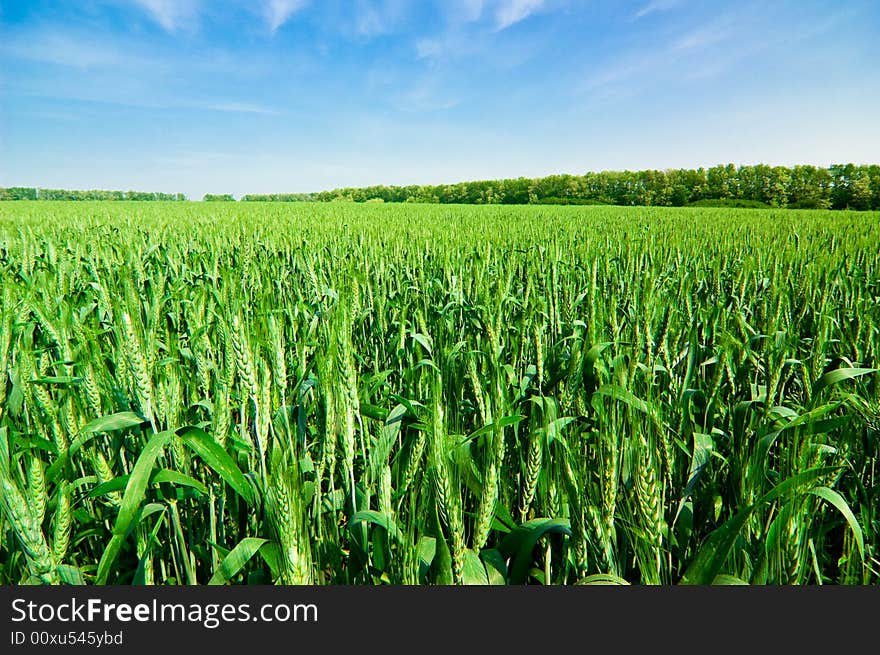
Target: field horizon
column 803, row 186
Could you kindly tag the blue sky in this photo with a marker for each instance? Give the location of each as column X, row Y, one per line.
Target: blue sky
column 268, row 96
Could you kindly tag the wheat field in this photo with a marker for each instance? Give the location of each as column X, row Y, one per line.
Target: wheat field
column 342, row 393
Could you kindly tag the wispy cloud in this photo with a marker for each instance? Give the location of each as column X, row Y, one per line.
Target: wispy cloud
column 164, row 104
column 84, row 52
column 376, row 18
column 660, row 58
column 278, row 12
column 703, row 51
column 428, row 94
column 462, row 11
column 453, row 43
column 53, row 46
column 704, row 36
column 236, row 108
column 657, row 6
column 430, row 48
column 616, row 73
column 172, row 15
column 474, row 27
column 510, row 12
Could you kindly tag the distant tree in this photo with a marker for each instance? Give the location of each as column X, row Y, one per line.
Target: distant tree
column 30, row 193
column 804, row 188
column 777, row 184
column 860, row 189
column 18, row 193
column 841, row 191
column 721, row 181
column 874, row 181
column 839, row 186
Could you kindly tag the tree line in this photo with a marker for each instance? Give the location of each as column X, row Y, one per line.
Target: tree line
column 840, row 186
column 31, row 193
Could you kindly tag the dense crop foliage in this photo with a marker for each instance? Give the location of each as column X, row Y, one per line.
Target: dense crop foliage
column 383, row 394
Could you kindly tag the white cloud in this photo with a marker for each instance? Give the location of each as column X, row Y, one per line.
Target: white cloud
column 172, row 15
column 279, row 12
column 657, row 5
column 463, row 11
column 369, row 22
column 510, row 12
column 703, row 37
column 426, row 95
column 616, row 73
column 237, row 108
column 60, row 49
column 430, row 48
column 450, row 44
column 374, row 18
column 473, row 28
column 686, row 58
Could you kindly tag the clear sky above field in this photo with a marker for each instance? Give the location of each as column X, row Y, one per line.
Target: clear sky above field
column 302, row 95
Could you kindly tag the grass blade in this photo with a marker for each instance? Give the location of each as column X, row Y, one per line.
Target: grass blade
column 236, row 560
